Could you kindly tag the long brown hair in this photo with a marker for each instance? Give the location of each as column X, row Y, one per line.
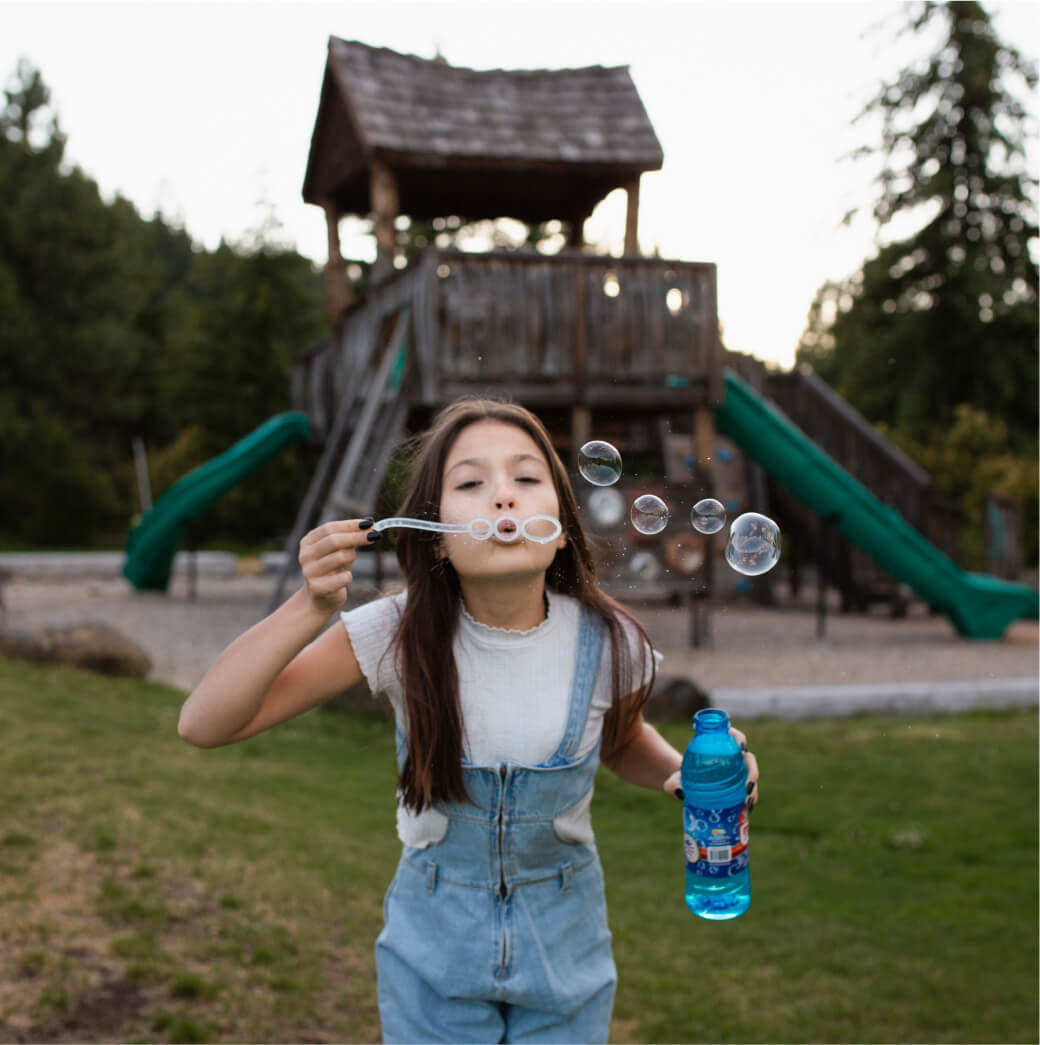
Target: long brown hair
column 423, row 643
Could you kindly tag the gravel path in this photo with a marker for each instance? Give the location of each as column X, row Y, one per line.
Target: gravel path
column 751, row 648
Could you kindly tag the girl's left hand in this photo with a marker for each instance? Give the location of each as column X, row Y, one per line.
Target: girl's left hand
column 673, row 785
column 752, row 767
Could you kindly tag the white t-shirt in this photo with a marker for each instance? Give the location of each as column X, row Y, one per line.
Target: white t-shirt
column 514, row 693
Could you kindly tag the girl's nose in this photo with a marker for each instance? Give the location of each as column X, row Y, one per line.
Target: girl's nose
column 503, row 497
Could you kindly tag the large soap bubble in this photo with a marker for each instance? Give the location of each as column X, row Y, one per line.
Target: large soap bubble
column 754, row 544
column 649, row 514
column 599, row 463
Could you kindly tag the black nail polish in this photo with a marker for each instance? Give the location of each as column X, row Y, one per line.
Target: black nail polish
column 374, row 536
column 679, row 794
column 750, row 806
column 366, row 523
column 750, row 786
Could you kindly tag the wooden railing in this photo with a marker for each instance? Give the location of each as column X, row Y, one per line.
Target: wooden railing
column 569, row 328
column 859, row 448
column 549, row 330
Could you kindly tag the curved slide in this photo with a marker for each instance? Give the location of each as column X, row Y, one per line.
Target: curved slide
column 980, row 606
column 152, row 543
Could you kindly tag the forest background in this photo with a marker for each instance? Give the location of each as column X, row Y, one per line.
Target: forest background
column 119, row 327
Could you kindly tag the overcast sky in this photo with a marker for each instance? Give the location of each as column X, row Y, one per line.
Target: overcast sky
column 204, row 112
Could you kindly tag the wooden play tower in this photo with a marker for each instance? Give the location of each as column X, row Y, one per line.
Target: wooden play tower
column 619, row 348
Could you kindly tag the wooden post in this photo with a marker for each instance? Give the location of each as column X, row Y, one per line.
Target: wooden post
column 385, row 204
column 576, row 232
column 338, row 292
column 581, row 429
column 632, row 217
column 704, row 439
column 579, row 374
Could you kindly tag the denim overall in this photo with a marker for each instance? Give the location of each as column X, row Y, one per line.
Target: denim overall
column 498, row 932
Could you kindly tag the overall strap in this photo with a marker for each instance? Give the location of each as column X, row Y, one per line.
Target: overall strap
column 401, row 743
column 591, row 632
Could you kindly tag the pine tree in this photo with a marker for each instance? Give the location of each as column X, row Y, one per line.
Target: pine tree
column 948, row 315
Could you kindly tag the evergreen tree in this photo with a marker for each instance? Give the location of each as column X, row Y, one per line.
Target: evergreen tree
column 946, row 315
column 945, row 318
column 115, row 327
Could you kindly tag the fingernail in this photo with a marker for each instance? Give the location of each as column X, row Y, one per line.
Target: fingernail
column 743, row 746
column 750, row 786
column 366, row 523
column 678, row 794
column 750, row 806
column 374, row 535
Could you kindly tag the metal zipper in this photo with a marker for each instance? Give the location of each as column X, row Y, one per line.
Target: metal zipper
column 502, row 890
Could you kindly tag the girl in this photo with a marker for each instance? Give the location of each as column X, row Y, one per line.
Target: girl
column 511, row 676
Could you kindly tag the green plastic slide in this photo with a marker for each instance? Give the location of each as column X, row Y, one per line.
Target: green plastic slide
column 980, row 606
column 152, row 543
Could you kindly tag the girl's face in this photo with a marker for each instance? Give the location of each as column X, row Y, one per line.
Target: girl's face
column 493, row 469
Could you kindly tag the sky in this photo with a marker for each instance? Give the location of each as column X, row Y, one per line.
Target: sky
column 203, row 112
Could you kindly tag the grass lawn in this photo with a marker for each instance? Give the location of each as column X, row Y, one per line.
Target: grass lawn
column 150, row 891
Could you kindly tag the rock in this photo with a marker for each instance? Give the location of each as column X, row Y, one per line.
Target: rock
column 358, row 698
column 676, row 698
column 88, row 646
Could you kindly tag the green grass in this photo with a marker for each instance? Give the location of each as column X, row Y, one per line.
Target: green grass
column 151, row 891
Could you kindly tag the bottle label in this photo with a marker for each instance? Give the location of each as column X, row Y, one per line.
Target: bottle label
column 716, row 840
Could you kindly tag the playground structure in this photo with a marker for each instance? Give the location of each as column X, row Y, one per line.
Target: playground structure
column 619, row 348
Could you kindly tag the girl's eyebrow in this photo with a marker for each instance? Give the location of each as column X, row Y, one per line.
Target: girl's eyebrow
column 482, row 461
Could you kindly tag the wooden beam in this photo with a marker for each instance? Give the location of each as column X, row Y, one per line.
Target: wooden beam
column 338, row 292
column 581, row 430
column 704, row 439
column 632, row 217
column 576, row 231
column 385, row 207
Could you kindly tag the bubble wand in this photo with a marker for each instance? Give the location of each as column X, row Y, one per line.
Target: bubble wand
column 481, row 528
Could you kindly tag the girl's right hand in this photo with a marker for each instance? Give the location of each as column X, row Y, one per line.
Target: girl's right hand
column 326, row 556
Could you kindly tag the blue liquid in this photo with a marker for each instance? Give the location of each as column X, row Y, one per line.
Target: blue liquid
column 729, row 898
column 714, row 778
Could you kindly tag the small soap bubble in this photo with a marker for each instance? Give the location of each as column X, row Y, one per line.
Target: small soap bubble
column 708, row 516
column 754, row 544
column 599, row 463
column 649, row 514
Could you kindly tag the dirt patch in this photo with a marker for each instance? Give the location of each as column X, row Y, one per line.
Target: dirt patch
column 98, row 947
column 101, row 1014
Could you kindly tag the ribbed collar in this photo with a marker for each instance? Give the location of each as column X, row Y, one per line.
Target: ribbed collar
column 489, row 635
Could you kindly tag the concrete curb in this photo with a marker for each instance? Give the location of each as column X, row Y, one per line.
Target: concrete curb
column 106, row 565
column 803, row 702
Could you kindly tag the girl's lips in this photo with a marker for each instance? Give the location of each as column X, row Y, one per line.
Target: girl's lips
column 505, row 530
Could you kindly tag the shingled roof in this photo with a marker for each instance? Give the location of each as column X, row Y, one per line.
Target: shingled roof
column 529, row 144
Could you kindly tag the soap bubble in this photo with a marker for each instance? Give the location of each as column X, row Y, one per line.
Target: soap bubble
column 708, row 516
column 599, row 463
column 606, row 506
column 649, row 514
column 754, row 544
column 644, row 566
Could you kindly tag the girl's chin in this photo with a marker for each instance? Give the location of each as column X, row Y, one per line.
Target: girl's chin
column 500, row 569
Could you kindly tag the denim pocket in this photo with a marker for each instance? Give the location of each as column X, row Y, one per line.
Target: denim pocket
column 574, row 825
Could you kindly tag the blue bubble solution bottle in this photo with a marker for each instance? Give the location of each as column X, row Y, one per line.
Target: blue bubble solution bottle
column 715, row 820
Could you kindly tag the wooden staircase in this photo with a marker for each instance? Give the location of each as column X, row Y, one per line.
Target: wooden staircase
column 367, row 423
